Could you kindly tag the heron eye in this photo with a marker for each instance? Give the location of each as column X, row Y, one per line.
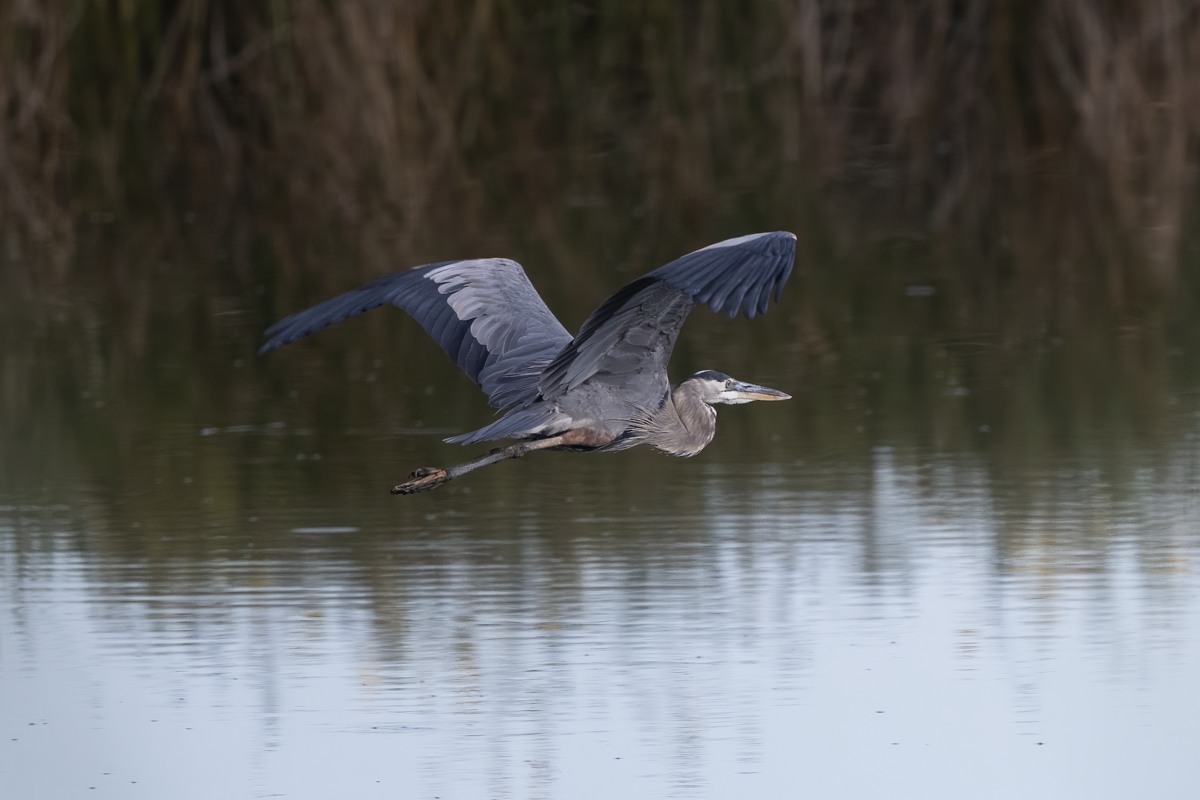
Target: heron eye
column 728, row 384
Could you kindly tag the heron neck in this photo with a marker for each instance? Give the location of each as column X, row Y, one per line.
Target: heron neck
column 691, row 422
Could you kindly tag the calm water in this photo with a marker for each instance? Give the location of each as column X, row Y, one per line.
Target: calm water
column 948, row 568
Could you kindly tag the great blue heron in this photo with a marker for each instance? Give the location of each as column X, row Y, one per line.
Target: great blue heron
column 604, row 389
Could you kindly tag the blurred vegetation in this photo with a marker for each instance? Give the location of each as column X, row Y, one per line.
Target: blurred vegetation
column 1047, row 145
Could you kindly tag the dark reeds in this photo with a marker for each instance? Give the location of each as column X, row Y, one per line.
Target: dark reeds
column 1050, row 141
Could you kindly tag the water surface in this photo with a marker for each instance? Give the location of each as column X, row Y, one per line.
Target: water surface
column 951, row 567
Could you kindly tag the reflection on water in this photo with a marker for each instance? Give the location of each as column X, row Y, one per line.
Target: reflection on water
column 964, row 561
column 829, row 627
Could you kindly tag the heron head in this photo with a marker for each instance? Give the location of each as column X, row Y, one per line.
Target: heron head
column 717, row 387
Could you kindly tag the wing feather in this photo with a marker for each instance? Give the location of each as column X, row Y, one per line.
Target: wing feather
column 483, row 313
column 488, row 318
column 628, row 340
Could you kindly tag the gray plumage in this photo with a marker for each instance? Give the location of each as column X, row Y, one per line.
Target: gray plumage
column 483, row 313
column 605, row 388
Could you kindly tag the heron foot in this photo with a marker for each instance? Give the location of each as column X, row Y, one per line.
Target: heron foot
column 422, row 479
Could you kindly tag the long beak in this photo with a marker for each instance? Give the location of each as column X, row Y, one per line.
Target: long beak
column 745, row 392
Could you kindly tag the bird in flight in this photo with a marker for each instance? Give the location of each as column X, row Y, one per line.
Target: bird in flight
column 604, row 389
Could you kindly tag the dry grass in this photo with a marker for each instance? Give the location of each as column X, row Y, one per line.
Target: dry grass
column 1053, row 142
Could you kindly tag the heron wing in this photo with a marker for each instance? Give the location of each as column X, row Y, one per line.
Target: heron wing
column 484, row 313
column 627, row 341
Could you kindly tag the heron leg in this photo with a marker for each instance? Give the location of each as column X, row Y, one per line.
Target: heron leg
column 423, row 479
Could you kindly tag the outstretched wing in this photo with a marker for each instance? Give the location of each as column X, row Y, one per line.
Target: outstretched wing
column 627, row 341
column 484, row 313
